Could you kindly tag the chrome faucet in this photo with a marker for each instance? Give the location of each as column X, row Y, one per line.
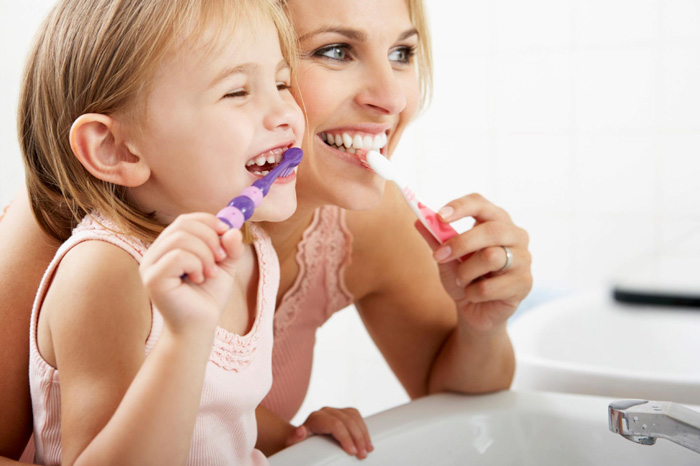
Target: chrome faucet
column 644, row 421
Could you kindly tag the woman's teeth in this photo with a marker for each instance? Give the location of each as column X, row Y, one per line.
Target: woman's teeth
column 347, row 143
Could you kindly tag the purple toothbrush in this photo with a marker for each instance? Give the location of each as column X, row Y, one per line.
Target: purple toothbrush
column 241, row 208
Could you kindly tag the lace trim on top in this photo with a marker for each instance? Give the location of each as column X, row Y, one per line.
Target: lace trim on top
column 326, row 244
column 233, row 352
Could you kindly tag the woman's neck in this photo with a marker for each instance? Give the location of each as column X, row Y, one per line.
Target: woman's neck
column 286, row 235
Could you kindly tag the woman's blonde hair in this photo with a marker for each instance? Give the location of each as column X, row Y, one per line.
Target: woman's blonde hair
column 100, row 56
column 424, row 54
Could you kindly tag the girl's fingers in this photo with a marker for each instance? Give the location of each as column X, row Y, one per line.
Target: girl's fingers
column 204, row 226
column 165, row 274
column 473, row 205
column 183, row 241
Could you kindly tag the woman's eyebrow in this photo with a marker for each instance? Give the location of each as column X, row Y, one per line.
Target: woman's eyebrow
column 349, row 33
column 352, row 34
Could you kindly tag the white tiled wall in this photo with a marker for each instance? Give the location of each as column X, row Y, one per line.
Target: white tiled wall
column 580, row 117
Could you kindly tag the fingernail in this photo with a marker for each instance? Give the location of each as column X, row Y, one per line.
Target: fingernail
column 446, row 212
column 442, row 253
column 353, row 451
column 223, row 225
column 221, row 253
column 459, row 282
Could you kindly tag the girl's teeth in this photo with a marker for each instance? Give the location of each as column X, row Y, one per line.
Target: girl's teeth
column 264, row 172
column 250, row 163
column 270, row 158
column 261, row 160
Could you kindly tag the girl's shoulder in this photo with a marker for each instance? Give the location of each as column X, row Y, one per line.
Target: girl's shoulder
column 95, row 292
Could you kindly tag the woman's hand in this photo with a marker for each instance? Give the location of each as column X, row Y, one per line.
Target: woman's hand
column 345, row 425
column 487, row 292
column 191, row 245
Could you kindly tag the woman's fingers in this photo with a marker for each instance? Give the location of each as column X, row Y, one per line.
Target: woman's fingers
column 473, row 205
column 491, row 260
column 346, row 426
column 498, row 288
column 481, row 236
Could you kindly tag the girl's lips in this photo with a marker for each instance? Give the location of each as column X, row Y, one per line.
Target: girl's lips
column 280, row 179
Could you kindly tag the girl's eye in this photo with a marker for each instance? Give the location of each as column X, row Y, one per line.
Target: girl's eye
column 338, row 52
column 283, row 86
column 238, row 93
column 402, row 55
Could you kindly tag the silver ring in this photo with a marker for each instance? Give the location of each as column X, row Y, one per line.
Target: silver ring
column 509, row 259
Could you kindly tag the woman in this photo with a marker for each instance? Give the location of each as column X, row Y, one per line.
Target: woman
column 440, row 323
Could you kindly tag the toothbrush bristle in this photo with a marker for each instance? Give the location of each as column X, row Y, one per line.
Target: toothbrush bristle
column 362, row 157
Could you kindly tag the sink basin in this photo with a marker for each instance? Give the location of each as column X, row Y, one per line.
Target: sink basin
column 591, row 344
column 506, row 428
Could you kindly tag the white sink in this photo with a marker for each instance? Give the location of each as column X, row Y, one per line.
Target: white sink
column 507, row 428
column 593, row 345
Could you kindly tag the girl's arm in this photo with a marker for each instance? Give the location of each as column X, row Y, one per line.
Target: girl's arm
column 119, row 407
column 25, row 252
column 438, row 335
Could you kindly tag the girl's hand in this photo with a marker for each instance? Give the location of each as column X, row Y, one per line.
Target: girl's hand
column 345, row 425
column 191, row 245
column 486, row 294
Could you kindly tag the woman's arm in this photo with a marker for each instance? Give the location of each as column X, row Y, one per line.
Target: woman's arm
column 435, row 334
column 25, row 252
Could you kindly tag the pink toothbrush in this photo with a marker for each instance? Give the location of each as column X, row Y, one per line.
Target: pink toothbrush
column 383, row 167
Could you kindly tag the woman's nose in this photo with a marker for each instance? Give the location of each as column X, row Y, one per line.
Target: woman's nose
column 382, row 91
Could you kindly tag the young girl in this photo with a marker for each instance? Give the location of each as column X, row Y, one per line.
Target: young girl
column 144, row 118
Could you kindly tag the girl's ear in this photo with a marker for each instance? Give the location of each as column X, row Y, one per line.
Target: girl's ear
column 98, row 144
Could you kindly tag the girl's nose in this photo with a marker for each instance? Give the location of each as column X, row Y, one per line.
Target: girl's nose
column 382, row 91
column 282, row 113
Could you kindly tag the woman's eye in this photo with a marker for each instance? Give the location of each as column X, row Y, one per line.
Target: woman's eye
column 283, row 86
column 333, row 52
column 402, row 54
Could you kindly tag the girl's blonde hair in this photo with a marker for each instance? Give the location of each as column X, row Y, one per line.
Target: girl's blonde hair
column 100, row 56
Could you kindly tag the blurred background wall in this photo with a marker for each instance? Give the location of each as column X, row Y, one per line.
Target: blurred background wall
column 580, row 117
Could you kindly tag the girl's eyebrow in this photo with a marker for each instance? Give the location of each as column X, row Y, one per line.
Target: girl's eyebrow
column 352, row 34
column 245, row 68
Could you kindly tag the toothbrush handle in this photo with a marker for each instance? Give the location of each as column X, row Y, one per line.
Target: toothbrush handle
column 440, row 230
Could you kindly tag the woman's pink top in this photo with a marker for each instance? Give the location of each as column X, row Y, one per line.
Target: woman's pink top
column 319, row 290
column 238, row 374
